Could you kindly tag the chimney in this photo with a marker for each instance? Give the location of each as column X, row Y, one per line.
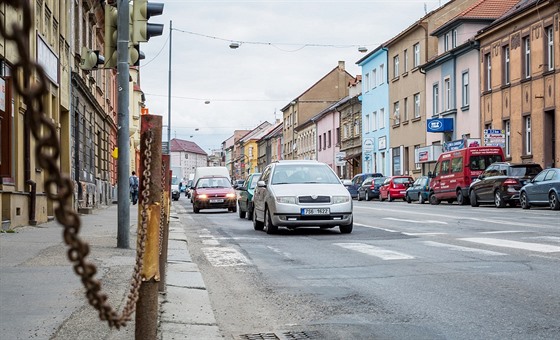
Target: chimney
column 341, row 65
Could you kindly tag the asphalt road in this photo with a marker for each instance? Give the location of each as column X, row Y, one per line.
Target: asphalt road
column 407, row 271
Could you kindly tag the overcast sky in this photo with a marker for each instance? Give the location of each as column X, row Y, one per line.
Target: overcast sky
column 272, row 66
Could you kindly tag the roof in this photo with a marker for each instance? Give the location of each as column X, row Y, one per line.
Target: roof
column 482, row 10
column 521, row 6
column 251, row 134
column 180, row 145
column 276, row 131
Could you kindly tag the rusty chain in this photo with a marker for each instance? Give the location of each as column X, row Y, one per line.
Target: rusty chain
column 58, row 186
column 163, row 212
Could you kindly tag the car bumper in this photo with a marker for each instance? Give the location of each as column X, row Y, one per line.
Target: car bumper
column 226, row 204
column 290, row 215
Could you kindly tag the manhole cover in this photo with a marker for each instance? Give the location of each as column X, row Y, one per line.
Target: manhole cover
column 290, row 335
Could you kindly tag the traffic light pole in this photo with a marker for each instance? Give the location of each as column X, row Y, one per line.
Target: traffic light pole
column 123, row 141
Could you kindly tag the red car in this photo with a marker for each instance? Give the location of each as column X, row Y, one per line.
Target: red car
column 394, row 187
column 214, row 192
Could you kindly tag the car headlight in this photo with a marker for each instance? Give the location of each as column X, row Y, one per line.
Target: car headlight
column 230, row 195
column 286, row 199
column 340, row 199
column 202, row 196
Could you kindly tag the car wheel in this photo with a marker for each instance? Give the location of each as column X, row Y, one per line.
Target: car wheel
column 241, row 213
column 234, row 209
column 407, row 199
column 367, row 196
column 249, row 212
column 268, row 226
column 461, row 199
column 389, row 197
column 257, row 225
column 524, row 201
column 359, row 197
column 499, row 200
column 421, row 199
column 553, row 201
column 434, row 200
column 196, row 210
column 474, row 201
column 346, row 229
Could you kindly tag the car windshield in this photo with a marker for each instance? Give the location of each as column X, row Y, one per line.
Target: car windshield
column 304, row 173
column 214, row 182
column 525, row 171
column 379, row 180
column 254, row 181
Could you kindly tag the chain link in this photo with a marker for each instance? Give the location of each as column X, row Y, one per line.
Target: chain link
column 163, row 212
column 58, row 186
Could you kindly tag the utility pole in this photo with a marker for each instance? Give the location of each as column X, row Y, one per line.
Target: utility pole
column 123, row 142
column 169, row 91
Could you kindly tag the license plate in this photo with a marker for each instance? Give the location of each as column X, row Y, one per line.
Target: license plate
column 315, row 211
column 403, row 192
column 217, row 201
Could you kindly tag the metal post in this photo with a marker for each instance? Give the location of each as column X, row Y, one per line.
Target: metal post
column 147, row 305
column 123, row 141
column 166, row 205
column 169, row 90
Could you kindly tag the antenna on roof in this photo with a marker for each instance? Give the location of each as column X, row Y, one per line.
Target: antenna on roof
column 425, row 8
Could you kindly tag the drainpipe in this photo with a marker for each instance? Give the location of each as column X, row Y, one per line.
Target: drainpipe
column 27, row 176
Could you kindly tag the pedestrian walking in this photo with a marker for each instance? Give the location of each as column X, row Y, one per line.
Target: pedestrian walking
column 133, row 183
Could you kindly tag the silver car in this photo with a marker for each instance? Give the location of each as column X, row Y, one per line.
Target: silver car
column 301, row 194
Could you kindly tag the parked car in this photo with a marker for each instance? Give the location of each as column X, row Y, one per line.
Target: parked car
column 238, row 183
column 214, row 192
column 542, row 190
column 189, row 188
column 296, row 194
column 245, row 197
column 370, row 188
column 419, row 191
column 394, row 187
column 455, row 170
column 357, row 182
column 500, row 183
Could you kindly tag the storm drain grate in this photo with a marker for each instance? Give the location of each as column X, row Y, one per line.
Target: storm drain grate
column 302, row 335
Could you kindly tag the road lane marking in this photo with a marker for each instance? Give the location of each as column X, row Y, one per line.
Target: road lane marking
column 379, row 228
column 463, row 249
column 546, row 238
column 225, row 257
column 505, row 232
column 455, row 217
column 424, row 234
column 414, row 221
column 381, row 253
column 541, row 248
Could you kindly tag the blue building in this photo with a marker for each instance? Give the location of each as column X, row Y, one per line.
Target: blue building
column 375, row 112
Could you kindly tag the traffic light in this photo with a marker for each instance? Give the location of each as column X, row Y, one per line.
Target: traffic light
column 110, row 36
column 142, row 11
column 134, row 54
column 90, row 59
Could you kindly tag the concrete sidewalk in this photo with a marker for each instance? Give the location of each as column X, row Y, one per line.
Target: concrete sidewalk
column 42, row 298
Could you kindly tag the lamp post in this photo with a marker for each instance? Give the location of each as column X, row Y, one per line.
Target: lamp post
column 169, row 90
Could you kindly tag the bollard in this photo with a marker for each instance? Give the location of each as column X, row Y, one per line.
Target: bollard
column 147, row 305
column 166, row 205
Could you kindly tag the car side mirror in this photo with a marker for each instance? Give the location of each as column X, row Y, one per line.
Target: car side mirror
column 261, row 184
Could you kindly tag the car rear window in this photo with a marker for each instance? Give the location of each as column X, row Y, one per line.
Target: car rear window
column 482, row 162
column 402, row 180
column 525, row 171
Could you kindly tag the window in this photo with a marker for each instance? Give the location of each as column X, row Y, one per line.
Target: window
column 405, row 61
column 550, row 48
column 446, row 41
column 381, row 76
column 454, row 38
column 488, row 69
column 416, row 54
column 357, row 127
column 457, row 164
column 366, row 82
column 507, row 128
column 381, row 118
column 418, row 166
column 374, row 78
column 435, row 99
column 330, row 139
column 447, row 94
column 396, row 161
column 367, row 127
column 465, row 89
column 395, row 66
column 405, row 111
column 374, row 121
column 324, row 140
column 528, row 146
column 506, row 65
column 396, row 113
column 345, row 130
column 527, row 57
column 417, row 105
column 445, row 167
